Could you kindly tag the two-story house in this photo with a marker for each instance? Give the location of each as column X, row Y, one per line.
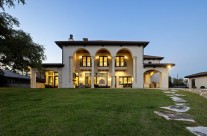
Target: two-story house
column 104, row 64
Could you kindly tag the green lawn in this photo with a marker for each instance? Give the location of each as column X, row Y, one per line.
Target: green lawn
column 92, row 112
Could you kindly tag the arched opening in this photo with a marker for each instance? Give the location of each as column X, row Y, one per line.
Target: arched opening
column 82, row 64
column 102, row 68
column 152, row 79
column 123, row 69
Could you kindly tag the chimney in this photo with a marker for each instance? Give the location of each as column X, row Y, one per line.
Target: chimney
column 71, row 38
column 85, row 39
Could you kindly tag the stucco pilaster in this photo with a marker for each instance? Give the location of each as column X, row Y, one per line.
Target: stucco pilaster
column 60, row 78
column 92, row 71
column 113, row 72
column 33, row 78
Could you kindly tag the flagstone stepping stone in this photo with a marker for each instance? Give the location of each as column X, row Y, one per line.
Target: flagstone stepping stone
column 177, row 108
column 174, row 90
column 181, row 104
column 179, row 95
column 177, row 99
column 168, row 92
column 170, row 95
column 199, row 131
column 174, row 116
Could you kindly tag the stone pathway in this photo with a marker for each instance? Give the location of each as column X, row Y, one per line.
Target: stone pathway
column 177, row 99
column 177, row 108
column 175, row 116
column 199, row 131
column 177, row 112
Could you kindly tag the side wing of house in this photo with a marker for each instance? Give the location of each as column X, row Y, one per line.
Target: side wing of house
column 198, row 80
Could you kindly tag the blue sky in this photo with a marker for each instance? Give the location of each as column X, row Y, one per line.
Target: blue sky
column 176, row 29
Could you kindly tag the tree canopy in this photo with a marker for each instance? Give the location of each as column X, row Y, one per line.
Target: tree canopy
column 10, row 3
column 17, row 49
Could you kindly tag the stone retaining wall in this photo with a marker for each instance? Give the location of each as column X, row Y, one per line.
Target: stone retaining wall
column 201, row 92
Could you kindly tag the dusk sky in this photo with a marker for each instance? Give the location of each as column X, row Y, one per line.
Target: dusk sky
column 176, row 29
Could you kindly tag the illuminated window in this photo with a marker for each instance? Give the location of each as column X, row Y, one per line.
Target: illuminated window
column 103, row 61
column 125, row 80
column 86, row 61
column 120, row 61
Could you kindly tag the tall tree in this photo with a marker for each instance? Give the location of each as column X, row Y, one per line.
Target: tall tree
column 17, row 49
column 10, row 3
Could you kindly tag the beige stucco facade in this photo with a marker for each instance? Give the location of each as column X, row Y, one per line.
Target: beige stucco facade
column 114, row 64
column 199, row 81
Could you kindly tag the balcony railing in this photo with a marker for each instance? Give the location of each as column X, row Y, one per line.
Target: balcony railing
column 81, row 64
column 85, row 67
column 124, row 65
column 103, row 65
column 103, row 68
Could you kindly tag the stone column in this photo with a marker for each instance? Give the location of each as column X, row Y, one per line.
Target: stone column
column 33, row 78
column 92, row 71
column 113, row 72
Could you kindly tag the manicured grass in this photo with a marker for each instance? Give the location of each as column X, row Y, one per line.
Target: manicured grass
column 90, row 112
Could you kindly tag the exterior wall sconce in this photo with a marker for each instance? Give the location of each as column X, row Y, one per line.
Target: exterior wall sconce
column 169, row 66
column 125, row 57
column 80, row 57
column 97, row 57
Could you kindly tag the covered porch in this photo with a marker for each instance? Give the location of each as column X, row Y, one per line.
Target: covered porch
column 157, row 75
column 52, row 74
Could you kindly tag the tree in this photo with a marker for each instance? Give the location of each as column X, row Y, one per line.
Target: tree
column 170, row 82
column 17, row 49
column 179, row 82
column 2, row 78
column 10, row 3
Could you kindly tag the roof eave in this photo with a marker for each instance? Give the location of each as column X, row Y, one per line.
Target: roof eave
column 154, row 65
column 91, row 43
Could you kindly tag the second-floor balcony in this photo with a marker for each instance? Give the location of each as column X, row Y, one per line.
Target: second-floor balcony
column 121, row 66
column 103, row 66
column 85, row 66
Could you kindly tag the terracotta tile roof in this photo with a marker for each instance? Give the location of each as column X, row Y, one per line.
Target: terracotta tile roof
column 149, row 57
column 102, row 42
column 201, row 74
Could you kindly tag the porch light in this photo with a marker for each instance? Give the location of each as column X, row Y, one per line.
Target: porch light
column 169, row 66
column 125, row 57
column 109, row 78
column 151, row 73
column 97, row 57
column 109, row 57
column 80, row 57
